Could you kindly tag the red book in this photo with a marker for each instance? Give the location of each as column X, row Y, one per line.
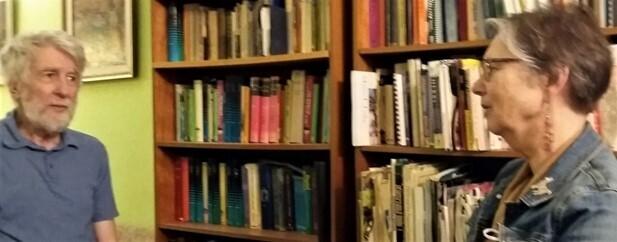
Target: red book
column 462, row 19
column 181, row 177
column 255, row 110
column 308, row 109
column 275, row 110
column 374, row 22
column 264, row 115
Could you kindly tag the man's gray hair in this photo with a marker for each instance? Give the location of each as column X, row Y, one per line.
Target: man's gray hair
column 18, row 53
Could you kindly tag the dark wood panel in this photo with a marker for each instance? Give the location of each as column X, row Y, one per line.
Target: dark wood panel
column 240, row 233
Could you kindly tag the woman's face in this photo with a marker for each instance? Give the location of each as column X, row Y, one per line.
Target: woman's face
column 511, row 91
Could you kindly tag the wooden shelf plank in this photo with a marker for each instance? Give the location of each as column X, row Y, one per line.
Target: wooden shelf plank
column 392, row 149
column 243, row 146
column 473, row 44
column 245, row 62
column 424, row 48
column 239, row 233
column 611, row 31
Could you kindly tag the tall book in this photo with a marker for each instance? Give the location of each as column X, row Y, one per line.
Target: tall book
column 214, row 193
column 302, row 202
column 255, row 115
column 232, row 109
column 267, row 199
column 175, row 35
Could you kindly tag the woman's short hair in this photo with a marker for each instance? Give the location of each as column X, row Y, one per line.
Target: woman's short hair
column 17, row 55
column 569, row 36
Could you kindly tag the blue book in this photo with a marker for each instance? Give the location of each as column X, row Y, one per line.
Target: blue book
column 235, row 196
column 214, row 194
column 267, row 205
column 278, row 31
column 232, row 110
column 175, row 36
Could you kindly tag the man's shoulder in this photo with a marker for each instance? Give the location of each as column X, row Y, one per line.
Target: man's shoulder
column 83, row 140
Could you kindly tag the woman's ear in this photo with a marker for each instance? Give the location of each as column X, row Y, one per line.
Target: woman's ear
column 561, row 76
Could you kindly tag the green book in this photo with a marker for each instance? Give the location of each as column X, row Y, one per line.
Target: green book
column 191, row 115
column 302, row 203
column 325, row 109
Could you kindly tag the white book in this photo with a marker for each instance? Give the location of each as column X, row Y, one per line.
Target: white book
column 264, row 16
column 447, row 105
column 399, row 110
column 364, row 86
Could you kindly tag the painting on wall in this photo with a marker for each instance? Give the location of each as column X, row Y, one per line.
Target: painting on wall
column 6, row 24
column 106, row 30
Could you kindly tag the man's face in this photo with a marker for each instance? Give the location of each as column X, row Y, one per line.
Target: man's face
column 47, row 95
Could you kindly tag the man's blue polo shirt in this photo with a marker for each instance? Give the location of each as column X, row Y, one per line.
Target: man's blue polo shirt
column 53, row 195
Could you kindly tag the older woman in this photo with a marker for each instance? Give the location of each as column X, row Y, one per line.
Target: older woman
column 543, row 73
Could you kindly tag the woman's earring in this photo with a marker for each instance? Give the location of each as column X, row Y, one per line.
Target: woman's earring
column 548, row 125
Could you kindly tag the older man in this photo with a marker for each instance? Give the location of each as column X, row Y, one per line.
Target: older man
column 54, row 182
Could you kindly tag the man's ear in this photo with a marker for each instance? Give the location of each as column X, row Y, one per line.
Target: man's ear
column 13, row 88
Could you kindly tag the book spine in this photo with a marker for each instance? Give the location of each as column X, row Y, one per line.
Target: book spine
column 255, row 110
column 308, row 104
column 221, row 97
column 264, row 122
column 275, row 110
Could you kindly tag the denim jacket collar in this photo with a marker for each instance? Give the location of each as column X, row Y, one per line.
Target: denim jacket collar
column 584, row 148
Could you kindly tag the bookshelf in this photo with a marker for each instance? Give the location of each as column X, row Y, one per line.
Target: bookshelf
column 368, row 56
column 238, row 233
column 168, row 149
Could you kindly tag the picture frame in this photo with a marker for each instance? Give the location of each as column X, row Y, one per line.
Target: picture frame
column 6, row 25
column 105, row 29
column 6, row 16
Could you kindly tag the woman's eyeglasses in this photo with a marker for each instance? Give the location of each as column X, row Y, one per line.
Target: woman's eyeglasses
column 490, row 64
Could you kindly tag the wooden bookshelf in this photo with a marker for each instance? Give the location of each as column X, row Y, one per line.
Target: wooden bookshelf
column 473, row 44
column 166, row 149
column 405, row 150
column 369, row 58
column 238, row 233
column 237, row 146
column 255, row 61
column 455, row 46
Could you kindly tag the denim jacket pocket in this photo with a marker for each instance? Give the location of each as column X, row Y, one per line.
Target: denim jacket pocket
column 513, row 234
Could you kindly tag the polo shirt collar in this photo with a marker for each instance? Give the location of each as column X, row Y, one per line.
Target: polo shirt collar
column 16, row 140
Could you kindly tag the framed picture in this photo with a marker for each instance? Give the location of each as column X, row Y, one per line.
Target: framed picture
column 105, row 28
column 6, row 18
column 6, row 24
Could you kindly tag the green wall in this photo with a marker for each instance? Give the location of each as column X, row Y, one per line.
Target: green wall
column 118, row 112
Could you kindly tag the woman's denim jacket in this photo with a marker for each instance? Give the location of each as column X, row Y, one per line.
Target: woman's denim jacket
column 579, row 204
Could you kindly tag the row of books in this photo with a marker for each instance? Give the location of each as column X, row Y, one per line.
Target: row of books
column 254, row 110
column 417, row 202
column 420, row 104
column 264, row 195
column 248, row 28
column 406, row 22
